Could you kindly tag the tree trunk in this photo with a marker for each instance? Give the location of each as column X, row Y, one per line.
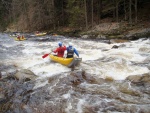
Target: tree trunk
column 130, row 11
column 114, row 10
column 86, row 23
column 92, row 12
column 53, row 8
column 125, row 12
column 135, row 11
column 99, row 10
column 63, row 12
column 26, row 15
column 117, row 11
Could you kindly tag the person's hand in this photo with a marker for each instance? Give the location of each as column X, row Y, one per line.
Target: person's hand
column 53, row 53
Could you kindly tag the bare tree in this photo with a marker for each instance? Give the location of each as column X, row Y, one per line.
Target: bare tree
column 53, row 13
column 135, row 11
column 125, row 11
column 100, row 10
column 92, row 11
column 86, row 22
column 117, row 9
column 130, row 11
column 63, row 12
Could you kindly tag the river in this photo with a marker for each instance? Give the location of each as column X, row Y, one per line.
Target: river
column 111, row 77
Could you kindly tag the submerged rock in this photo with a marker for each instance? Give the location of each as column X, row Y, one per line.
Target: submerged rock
column 25, row 74
column 7, row 70
column 144, row 78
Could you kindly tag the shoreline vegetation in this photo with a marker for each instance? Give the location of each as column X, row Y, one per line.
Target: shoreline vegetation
column 110, row 30
column 94, row 19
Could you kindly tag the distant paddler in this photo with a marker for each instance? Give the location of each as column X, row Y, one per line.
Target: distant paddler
column 37, row 33
column 20, row 38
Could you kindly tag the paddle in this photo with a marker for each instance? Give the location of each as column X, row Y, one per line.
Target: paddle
column 45, row 55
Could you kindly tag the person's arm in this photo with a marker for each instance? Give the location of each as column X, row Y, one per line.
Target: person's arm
column 76, row 52
column 64, row 47
column 56, row 50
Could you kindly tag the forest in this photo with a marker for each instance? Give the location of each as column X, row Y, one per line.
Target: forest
column 32, row 15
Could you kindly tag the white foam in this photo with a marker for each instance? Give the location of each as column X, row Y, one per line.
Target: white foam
column 117, row 61
column 79, row 105
column 69, row 107
column 66, row 96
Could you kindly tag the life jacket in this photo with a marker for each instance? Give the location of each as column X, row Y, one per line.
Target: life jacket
column 61, row 51
column 70, row 52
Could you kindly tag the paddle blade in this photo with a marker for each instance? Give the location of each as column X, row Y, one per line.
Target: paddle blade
column 44, row 56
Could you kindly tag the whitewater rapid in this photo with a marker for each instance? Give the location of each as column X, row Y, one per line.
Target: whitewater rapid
column 98, row 58
column 99, row 85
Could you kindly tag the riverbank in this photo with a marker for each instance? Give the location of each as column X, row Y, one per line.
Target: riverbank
column 105, row 30
column 110, row 30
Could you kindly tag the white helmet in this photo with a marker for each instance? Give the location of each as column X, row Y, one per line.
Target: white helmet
column 70, row 44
